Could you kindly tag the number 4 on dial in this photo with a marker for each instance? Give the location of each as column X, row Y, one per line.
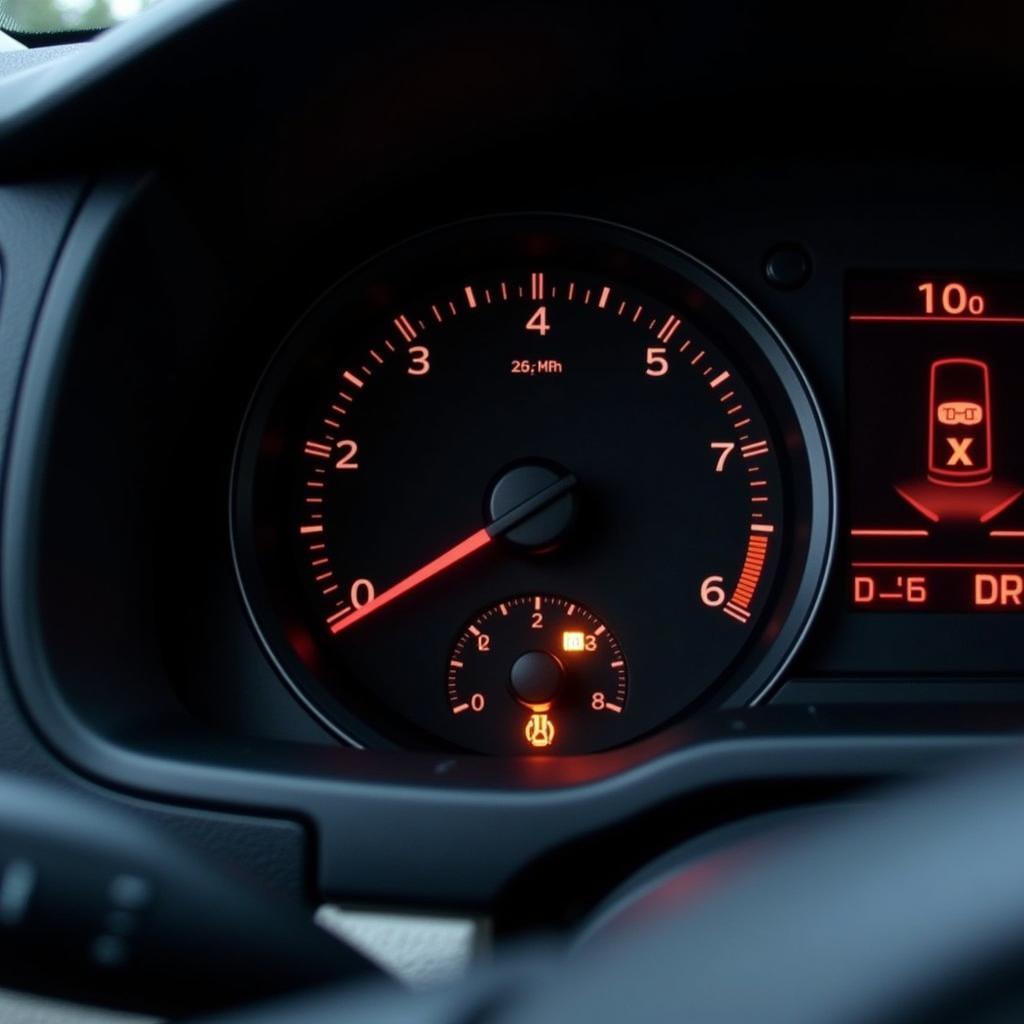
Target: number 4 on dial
column 539, row 321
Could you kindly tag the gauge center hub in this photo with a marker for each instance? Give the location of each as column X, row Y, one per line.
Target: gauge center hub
column 536, row 679
column 544, row 529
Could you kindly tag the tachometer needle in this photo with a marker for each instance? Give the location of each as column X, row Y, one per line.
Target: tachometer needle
column 474, row 542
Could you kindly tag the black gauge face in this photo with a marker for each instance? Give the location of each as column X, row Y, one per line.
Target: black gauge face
column 511, row 438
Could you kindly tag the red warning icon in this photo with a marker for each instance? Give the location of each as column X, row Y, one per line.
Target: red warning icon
column 959, row 484
column 959, row 423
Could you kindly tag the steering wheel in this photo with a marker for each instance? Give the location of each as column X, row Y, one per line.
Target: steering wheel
column 908, row 908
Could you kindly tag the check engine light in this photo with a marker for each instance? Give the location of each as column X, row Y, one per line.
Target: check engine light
column 540, row 731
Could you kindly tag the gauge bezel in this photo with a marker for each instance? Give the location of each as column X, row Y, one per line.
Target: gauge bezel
column 784, row 394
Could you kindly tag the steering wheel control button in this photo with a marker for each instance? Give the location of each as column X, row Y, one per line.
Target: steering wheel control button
column 17, row 884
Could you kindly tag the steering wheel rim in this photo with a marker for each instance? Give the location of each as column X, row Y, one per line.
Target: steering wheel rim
column 905, row 908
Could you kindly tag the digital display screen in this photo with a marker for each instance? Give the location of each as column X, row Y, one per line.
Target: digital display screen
column 935, row 384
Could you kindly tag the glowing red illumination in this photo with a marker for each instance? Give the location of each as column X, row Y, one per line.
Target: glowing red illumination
column 460, row 551
column 959, row 423
column 888, row 533
column 1004, row 589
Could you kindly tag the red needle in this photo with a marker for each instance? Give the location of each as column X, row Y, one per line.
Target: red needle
column 472, row 543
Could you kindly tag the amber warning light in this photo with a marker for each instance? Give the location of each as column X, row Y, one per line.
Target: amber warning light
column 574, row 640
column 935, row 371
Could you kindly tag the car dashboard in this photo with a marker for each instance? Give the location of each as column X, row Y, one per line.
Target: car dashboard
column 449, row 469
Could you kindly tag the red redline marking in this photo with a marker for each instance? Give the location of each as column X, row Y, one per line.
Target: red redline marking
column 890, row 319
column 466, row 547
column 889, row 533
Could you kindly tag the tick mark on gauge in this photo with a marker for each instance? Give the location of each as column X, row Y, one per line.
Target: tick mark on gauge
column 405, row 328
column 668, row 328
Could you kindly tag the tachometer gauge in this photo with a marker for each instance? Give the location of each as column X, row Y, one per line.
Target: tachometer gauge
column 503, row 461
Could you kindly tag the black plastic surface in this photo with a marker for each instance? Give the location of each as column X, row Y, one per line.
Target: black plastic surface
column 96, row 908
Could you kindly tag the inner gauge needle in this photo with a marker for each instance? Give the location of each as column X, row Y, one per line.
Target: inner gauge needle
column 474, row 542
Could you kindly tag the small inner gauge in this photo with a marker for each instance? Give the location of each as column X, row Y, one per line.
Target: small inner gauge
column 535, row 673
